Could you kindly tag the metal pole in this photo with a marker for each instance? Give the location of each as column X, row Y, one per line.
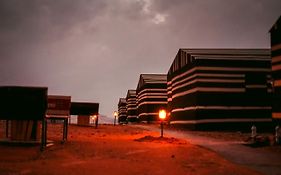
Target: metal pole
column 97, row 121
column 161, row 129
column 114, row 120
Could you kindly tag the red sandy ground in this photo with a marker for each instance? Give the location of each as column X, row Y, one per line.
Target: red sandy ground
column 118, row 150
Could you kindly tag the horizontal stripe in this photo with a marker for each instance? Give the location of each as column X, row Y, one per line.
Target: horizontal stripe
column 275, row 47
column 153, row 102
column 276, row 67
column 276, row 59
column 256, row 86
column 156, row 89
column 222, row 108
column 276, row 115
column 233, row 58
column 152, row 97
column 57, row 116
column 277, row 83
column 145, row 114
column 220, row 69
column 152, row 94
column 132, row 116
column 201, row 89
column 200, row 80
column 57, row 112
column 232, row 120
column 207, row 75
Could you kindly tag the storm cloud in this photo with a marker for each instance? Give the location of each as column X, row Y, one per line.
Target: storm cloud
column 94, row 50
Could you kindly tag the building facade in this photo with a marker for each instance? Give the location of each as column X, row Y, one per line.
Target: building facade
column 275, row 35
column 131, row 99
column 220, row 88
column 122, row 110
column 151, row 96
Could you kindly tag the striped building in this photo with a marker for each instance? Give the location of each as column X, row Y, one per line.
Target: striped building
column 151, row 96
column 220, row 88
column 122, row 110
column 275, row 34
column 131, row 99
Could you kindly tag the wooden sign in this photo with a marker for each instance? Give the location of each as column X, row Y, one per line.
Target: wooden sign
column 59, row 105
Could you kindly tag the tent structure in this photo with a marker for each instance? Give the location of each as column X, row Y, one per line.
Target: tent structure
column 122, row 110
column 275, row 35
column 220, row 88
column 151, row 96
column 131, row 106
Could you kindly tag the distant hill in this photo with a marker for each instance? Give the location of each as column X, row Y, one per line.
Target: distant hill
column 105, row 120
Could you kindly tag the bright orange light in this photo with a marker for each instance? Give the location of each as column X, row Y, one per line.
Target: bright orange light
column 94, row 117
column 115, row 113
column 162, row 114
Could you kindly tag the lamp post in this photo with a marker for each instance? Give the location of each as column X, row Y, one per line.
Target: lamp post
column 162, row 117
column 115, row 115
column 95, row 119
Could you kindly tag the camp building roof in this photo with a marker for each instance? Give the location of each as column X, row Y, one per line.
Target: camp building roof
column 122, row 101
column 184, row 56
column 131, row 93
column 152, row 79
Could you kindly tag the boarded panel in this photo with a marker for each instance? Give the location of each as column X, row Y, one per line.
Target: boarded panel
column 23, row 103
column 59, row 105
column 83, row 120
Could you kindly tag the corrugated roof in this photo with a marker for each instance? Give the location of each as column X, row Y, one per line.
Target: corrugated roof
column 122, row 101
column 236, row 52
column 131, row 93
column 225, row 53
column 152, row 79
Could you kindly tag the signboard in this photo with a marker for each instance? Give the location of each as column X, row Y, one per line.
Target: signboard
column 59, row 105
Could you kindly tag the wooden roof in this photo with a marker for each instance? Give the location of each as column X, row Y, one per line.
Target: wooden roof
column 84, row 108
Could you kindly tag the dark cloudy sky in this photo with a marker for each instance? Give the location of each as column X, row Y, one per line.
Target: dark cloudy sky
column 94, row 50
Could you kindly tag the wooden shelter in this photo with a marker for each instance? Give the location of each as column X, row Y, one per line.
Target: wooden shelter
column 59, row 109
column 275, row 35
column 131, row 99
column 24, row 107
column 122, row 110
column 151, row 96
column 220, row 88
column 84, row 110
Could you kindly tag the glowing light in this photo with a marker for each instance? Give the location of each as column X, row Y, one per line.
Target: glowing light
column 162, row 114
column 94, row 117
column 115, row 113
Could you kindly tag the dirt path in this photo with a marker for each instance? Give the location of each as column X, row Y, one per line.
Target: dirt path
column 119, row 150
column 264, row 160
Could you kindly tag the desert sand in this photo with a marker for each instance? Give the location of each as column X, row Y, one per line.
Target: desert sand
column 118, row 150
